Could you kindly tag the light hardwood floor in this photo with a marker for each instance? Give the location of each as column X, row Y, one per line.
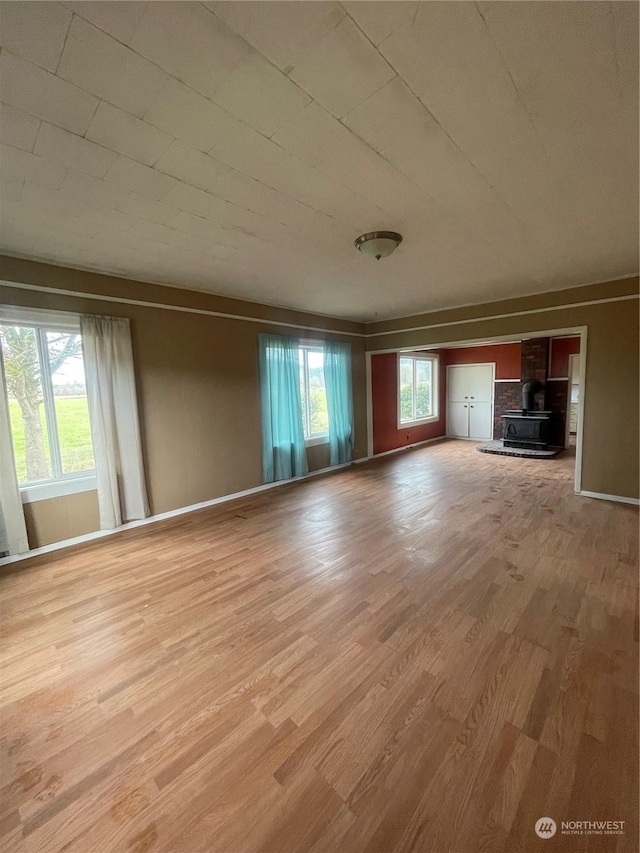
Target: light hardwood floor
column 423, row 653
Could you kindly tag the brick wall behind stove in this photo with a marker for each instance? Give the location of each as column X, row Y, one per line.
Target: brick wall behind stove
column 534, row 365
column 534, row 362
column 506, row 395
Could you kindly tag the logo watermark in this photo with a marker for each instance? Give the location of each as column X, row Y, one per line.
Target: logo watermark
column 546, row 827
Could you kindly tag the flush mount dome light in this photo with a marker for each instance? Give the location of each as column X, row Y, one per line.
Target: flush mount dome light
column 378, row 244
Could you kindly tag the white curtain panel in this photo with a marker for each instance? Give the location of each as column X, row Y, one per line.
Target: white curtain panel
column 13, row 532
column 113, row 412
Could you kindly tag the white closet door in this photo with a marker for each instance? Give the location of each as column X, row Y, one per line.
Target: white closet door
column 470, row 401
column 458, row 423
column 480, row 420
column 458, row 388
column 480, row 382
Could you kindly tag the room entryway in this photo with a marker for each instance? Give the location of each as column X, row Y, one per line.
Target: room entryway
column 573, row 403
column 470, row 401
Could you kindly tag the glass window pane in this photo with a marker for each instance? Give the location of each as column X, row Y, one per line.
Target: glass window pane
column 26, row 406
column 318, row 415
column 424, row 408
column 406, row 389
column 70, row 400
column 303, row 395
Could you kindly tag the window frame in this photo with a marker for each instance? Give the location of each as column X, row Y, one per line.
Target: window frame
column 305, row 347
column 435, row 397
column 60, row 483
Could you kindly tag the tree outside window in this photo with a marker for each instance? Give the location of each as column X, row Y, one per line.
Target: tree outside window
column 50, row 428
column 313, row 394
column 416, row 384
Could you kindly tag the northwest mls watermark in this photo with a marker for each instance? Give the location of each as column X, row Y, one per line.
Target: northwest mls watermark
column 546, row 827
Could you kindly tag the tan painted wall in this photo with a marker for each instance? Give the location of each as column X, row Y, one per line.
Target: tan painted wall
column 72, row 515
column 611, row 421
column 198, row 389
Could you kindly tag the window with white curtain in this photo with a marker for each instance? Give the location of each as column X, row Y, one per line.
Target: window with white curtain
column 417, row 389
column 49, row 416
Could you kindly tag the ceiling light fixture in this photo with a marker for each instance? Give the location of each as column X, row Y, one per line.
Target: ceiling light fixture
column 378, row 244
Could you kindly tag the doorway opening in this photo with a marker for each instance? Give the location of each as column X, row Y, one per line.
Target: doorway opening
column 493, row 373
column 573, row 402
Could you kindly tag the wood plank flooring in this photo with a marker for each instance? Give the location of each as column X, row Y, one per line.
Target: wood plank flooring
column 425, row 653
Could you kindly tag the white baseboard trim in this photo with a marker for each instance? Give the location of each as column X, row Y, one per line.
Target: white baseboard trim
column 467, row 438
column 153, row 519
column 617, row 498
column 404, row 447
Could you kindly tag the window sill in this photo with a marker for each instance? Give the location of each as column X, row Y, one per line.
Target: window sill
column 316, row 440
column 430, row 420
column 57, row 488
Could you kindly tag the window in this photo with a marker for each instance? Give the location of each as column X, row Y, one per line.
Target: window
column 417, row 389
column 313, row 395
column 48, row 409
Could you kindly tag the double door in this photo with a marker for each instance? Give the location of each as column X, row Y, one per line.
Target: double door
column 470, row 401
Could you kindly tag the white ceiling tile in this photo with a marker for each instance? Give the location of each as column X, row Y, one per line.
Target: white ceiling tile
column 150, row 231
column 17, row 128
column 10, row 189
column 21, row 164
column 379, row 18
column 200, row 227
column 189, row 116
column 129, row 174
column 145, row 208
column 93, row 190
column 342, row 70
column 39, row 198
column 248, row 151
column 366, row 173
column 38, row 219
column 44, row 95
column 191, row 166
column 322, row 193
column 241, row 190
column 197, row 201
column 202, row 245
column 205, row 52
column 559, row 45
column 104, row 217
column 118, row 19
column 127, row 135
column 393, row 114
column 282, row 31
column 449, row 50
column 313, row 134
column 205, row 173
column 35, row 31
column 60, row 146
column 260, row 95
column 99, row 64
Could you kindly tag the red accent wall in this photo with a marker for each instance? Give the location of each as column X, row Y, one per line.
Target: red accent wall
column 384, row 399
column 506, row 356
column 561, row 349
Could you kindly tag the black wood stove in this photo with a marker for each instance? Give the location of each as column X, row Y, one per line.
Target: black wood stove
column 527, row 427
